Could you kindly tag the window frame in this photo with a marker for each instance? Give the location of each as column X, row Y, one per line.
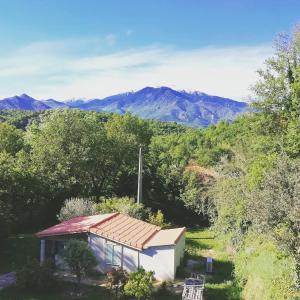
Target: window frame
column 113, row 259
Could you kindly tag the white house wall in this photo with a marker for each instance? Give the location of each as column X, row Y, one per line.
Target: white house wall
column 97, row 244
column 163, row 260
column 160, row 260
column 130, row 259
column 179, row 251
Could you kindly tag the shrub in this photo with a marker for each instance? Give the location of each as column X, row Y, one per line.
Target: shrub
column 158, row 219
column 140, row 284
column 123, row 205
column 77, row 207
column 265, row 272
column 34, row 276
column 79, row 257
column 116, row 279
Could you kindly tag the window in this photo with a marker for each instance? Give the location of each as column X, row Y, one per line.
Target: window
column 113, row 254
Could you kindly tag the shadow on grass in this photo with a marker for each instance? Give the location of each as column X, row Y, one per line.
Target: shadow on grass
column 60, row 292
column 222, row 271
column 15, row 250
column 220, row 284
column 196, row 243
column 217, row 292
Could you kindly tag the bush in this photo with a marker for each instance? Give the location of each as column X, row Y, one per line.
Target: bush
column 140, row 284
column 116, row 279
column 265, row 272
column 123, row 205
column 34, row 276
column 158, row 219
column 79, row 257
column 77, row 207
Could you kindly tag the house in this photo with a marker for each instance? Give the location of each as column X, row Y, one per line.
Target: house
column 118, row 240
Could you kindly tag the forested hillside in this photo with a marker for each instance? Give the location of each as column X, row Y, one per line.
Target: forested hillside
column 241, row 178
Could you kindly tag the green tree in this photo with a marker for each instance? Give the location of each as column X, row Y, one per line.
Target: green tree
column 275, row 207
column 69, row 149
column 79, row 257
column 78, row 154
column 124, row 205
column 139, row 284
column 11, row 139
column 277, row 90
column 158, row 219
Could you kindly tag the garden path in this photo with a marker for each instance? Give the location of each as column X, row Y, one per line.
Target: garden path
column 7, row 279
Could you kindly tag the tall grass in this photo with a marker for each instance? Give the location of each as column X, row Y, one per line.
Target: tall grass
column 264, row 271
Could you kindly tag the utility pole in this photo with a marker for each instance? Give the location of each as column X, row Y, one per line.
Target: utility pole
column 139, row 192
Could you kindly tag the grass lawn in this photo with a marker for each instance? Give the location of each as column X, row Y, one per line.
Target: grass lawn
column 199, row 243
column 220, row 285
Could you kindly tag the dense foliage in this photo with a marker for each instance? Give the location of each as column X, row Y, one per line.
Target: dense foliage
column 65, row 154
column 241, row 177
column 79, row 258
column 256, row 193
column 124, row 205
column 116, row 280
column 139, row 284
column 35, row 276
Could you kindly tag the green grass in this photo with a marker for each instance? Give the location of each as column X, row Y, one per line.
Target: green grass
column 199, row 244
column 220, row 285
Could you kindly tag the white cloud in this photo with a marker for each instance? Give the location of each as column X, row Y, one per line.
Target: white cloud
column 67, row 69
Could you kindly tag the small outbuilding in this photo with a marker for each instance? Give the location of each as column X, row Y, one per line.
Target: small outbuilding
column 118, row 240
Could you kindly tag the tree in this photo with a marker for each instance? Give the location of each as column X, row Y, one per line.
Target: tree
column 124, row 205
column 11, row 139
column 194, row 193
column 230, row 195
column 158, row 219
column 77, row 207
column 79, row 257
column 78, row 154
column 277, row 91
column 139, row 284
column 275, row 207
column 70, row 151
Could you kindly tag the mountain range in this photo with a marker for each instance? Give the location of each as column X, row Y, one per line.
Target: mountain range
column 191, row 108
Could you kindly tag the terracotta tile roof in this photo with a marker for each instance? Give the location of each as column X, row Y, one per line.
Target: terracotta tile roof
column 119, row 228
column 126, row 230
column 165, row 237
column 75, row 225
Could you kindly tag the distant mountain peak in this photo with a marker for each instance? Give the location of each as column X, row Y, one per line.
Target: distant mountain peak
column 192, row 108
column 24, row 96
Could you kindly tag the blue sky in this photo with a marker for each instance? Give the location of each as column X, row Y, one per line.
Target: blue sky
column 93, row 48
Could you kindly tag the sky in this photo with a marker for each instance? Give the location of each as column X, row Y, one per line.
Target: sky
column 66, row 49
